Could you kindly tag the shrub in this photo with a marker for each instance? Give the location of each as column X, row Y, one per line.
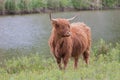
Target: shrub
column 53, row 4
column 109, row 3
column 80, row 4
column 65, row 3
column 10, row 5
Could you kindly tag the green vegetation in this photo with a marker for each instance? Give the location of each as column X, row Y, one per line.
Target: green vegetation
column 30, row 6
column 80, row 4
column 104, row 65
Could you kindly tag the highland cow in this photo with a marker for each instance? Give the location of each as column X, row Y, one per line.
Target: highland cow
column 69, row 40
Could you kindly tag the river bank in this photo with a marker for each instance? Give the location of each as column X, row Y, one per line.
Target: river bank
column 45, row 10
column 46, row 6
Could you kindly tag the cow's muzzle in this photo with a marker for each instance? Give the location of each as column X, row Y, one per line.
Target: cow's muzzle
column 67, row 34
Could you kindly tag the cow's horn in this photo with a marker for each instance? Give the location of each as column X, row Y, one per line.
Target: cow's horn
column 70, row 19
column 50, row 16
column 52, row 19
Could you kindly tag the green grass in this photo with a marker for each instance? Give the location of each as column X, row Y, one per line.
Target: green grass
column 104, row 65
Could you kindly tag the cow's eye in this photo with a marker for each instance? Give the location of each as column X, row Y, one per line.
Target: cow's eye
column 57, row 26
column 63, row 27
column 68, row 26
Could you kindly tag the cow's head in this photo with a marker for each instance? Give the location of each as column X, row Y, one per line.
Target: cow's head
column 61, row 26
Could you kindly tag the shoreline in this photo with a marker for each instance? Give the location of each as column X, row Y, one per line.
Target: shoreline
column 46, row 10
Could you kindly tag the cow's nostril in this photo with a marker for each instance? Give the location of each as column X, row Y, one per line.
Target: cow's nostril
column 67, row 33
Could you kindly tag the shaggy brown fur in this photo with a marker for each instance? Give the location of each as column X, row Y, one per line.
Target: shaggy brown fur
column 69, row 40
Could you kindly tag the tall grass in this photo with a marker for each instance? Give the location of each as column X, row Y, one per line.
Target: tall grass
column 17, row 6
column 104, row 65
column 28, row 6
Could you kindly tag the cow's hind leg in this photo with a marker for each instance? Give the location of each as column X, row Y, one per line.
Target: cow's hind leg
column 75, row 62
column 86, row 56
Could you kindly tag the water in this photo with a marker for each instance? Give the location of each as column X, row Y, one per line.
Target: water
column 24, row 34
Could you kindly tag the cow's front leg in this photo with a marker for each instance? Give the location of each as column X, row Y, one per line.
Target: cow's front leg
column 59, row 63
column 75, row 62
column 65, row 60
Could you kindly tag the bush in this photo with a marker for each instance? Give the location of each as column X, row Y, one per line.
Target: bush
column 10, row 5
column 102, row 48
column 65, row 3
column 80, row 4
column 53, row 4
column 37, row 3
column 109, row 3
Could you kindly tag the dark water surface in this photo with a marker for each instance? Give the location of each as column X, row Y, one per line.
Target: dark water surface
column 24, row 34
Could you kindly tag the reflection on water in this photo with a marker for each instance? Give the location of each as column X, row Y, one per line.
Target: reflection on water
column 22, row 34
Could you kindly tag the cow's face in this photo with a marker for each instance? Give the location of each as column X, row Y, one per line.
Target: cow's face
column 62, row 27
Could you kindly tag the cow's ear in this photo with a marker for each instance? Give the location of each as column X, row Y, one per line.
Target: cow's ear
column 54, row 21
column 68, row 25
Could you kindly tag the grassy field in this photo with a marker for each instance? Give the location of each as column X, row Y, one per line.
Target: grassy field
column 104, row 65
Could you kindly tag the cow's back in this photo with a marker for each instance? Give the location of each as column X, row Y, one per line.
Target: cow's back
column 81, row 38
